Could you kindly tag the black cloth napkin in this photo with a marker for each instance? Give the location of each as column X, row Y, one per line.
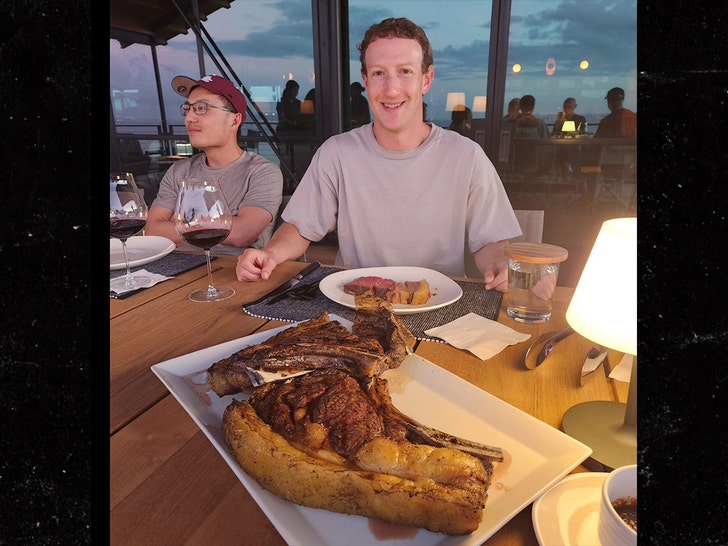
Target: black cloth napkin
column 169, row 266
column 475, row 299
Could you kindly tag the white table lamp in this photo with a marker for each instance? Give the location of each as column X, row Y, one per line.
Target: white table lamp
column 604, row 310
column 455, row 102
column 479, row 104
column 568, row 126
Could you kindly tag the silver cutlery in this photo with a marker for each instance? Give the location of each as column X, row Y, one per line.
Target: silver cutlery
column 542, row 347
column 305, row 292
column 289, row 284
column 596, row 355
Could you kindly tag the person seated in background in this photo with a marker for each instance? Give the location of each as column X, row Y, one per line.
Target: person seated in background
column 253, row 186
column 568, row 159
column 528, row 125
column 461, row 120
column 569, row 114
column 514, row 108
column 620, row 122
column 289, row 108
column 398, row 191
column 359, row 106
column 530, row 158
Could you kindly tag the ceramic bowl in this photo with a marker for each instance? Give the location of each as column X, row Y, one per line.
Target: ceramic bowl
column 613, row 530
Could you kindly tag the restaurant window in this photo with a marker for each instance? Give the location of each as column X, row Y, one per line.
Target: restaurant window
column 558, row 50
column 570, row 50
column 555, row 49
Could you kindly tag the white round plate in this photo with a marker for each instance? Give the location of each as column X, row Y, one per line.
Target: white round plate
column 443, row 289
column 142, row 249
column 568, row 513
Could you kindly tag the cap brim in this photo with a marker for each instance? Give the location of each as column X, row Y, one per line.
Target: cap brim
column 183, row 85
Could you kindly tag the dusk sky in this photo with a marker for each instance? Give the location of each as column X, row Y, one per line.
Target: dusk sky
column 266, row 42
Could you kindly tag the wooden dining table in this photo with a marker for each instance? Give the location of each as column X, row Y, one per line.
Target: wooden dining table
column 168, row 483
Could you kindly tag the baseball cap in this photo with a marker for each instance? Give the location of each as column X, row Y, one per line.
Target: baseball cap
column 183, row 85
column 615, row 93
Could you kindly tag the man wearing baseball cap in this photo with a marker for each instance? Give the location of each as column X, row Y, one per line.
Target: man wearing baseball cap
column 620, row 122
column 253, row 186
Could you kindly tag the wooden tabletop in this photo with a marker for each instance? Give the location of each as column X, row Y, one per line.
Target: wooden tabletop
column 169, row 485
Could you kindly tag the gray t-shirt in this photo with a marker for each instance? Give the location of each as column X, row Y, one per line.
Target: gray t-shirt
column 249, row 181
column 529, row 128
column 421, row 207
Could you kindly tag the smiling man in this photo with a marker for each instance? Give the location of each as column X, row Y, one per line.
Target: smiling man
column 252, row 185
column 398, row 191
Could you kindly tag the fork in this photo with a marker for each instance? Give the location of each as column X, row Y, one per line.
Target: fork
column 305, row 293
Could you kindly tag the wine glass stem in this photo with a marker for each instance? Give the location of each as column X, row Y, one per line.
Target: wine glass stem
column 211, row 291
column 128, row 281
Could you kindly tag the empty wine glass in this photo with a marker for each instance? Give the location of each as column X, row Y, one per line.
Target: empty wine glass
column 203, row 219
column 127, row 217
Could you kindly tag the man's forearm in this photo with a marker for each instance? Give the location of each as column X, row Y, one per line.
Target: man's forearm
column 287, row 243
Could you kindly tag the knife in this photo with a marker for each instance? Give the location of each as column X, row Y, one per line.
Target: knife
column 286, row 286
column 596, row 355
column 542, row 347
column 302, row 291
column 551, row 343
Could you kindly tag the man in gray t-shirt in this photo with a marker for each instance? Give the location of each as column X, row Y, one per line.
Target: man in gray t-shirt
column 398, row 191
column 252, row 185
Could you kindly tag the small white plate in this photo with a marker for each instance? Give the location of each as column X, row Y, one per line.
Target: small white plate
column 568, row 513
column 142, row 249
column 443, row 289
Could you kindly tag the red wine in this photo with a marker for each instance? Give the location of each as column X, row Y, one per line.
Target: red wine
column 205, row 238
column 123, row 228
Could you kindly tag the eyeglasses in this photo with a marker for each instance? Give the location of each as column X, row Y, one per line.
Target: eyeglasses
column 199, row 108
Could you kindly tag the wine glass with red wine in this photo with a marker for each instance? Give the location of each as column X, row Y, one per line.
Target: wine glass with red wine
column 127, row 217
column 203, row 219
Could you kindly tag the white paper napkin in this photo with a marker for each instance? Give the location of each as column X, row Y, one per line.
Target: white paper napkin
column 483, row 337
column 117, row 284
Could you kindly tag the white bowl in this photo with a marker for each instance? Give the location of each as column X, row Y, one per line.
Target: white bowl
column 612, row 529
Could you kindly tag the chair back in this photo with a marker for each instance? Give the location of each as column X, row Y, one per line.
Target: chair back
column 132, row 156
column 618, row 163
column 506, row 155
column 531, row 222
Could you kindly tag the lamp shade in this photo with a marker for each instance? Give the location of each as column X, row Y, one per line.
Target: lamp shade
column 479, row 103
column 455, row 101
column 604, row 306
column 569, row 126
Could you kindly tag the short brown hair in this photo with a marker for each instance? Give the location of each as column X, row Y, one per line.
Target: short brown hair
column 396, row 27
column 528, row 103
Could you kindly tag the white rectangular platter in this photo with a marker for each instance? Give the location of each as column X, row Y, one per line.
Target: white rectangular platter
column 536, row 455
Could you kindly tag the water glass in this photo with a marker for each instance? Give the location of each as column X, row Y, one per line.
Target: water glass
column 533, row 269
